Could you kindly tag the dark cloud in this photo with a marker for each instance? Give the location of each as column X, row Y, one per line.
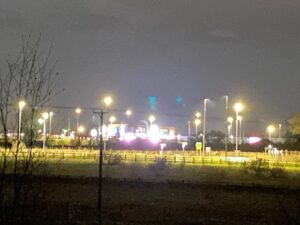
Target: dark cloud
column 169, row 48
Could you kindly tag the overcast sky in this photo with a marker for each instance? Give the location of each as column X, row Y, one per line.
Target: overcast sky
column 167, row 48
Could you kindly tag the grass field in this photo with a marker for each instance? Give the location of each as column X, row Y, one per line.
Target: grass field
column 160, row 191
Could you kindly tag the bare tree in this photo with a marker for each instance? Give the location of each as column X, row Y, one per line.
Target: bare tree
column 32, row 77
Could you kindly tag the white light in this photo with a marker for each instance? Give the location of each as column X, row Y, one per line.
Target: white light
column 40, row 120
column 162, row 146
column 45, row 115
column 129, row 136
column 94, row 133
column 238, row 107
column 112, row 119
column 108, row 101
column 154, row 134
column 81, row 129
column 21, row 104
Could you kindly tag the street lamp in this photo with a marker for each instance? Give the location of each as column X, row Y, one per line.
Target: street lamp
column 238, row 107
column 189, row 129
column 107, row 102
column 50, row 122
column 112, row 119
column 270, row 130
column 226, row 130
column 204, row 121
column 81, row 129
column 230, row 121
column 229, row 127
column 128, row 113
column 197, row 123
column 21, row 106
column 240, row 118
column 279, row 133
column 78, row 112
column 45, row 116
column 151, row 119
column 197, row 114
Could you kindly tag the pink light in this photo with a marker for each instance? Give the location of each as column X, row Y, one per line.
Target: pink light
column 254, row 140
column 154, row 134
column 129, row 136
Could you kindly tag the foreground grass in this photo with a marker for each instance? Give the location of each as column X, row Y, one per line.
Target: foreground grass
column 187, row 173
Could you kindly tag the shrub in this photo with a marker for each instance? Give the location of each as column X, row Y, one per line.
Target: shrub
column 159, row 164
column 114, row 159
column 278, row 172
column 259, row 166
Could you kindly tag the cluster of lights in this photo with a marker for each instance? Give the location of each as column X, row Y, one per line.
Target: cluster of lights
column 153, row 131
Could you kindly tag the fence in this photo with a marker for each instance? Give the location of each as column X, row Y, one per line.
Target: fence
column 137, row 157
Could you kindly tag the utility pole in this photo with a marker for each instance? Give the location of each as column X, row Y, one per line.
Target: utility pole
column 226, row 126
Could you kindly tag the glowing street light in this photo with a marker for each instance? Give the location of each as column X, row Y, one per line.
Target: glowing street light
column 112, row 119
column 45, row 116
column 189, row 128
column 230, row 121
column 197, row 123
column 41, row 121
column 279, row 132
column 128, row 113
column 94, row 133
column 197, row 114
column 78, row 112
column 238, row 107
column 107, row 101
column 270, row 130
column 229, row 127
column 204, row 122
column 21, row 106
column 81, row 129
column 151, row 119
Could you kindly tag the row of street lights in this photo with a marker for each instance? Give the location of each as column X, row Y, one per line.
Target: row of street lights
column 238, row 107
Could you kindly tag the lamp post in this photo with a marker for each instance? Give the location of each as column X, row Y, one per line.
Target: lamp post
column 279, row 132
column 197, row 123
column 270, row 130
column 204, row 122
column 107, row 102
column 237, row 107
column 230, row 121
column 21, row 106
column 78, row 112
column 128, row 113
column 189, row 128
column 112, row 119
column 229, row 130
column 50, row 122
column 226, row 130
column 151, row 119
column 45, row 116
column 240, row 118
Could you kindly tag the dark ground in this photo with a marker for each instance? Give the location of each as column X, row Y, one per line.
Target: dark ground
column 74, row 201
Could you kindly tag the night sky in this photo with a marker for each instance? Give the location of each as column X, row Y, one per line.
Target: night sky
column 249, row 50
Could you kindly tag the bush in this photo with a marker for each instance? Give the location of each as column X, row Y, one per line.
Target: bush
column 259, row 166
column 278, row 172
column 114, row 159
column 159, row 164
